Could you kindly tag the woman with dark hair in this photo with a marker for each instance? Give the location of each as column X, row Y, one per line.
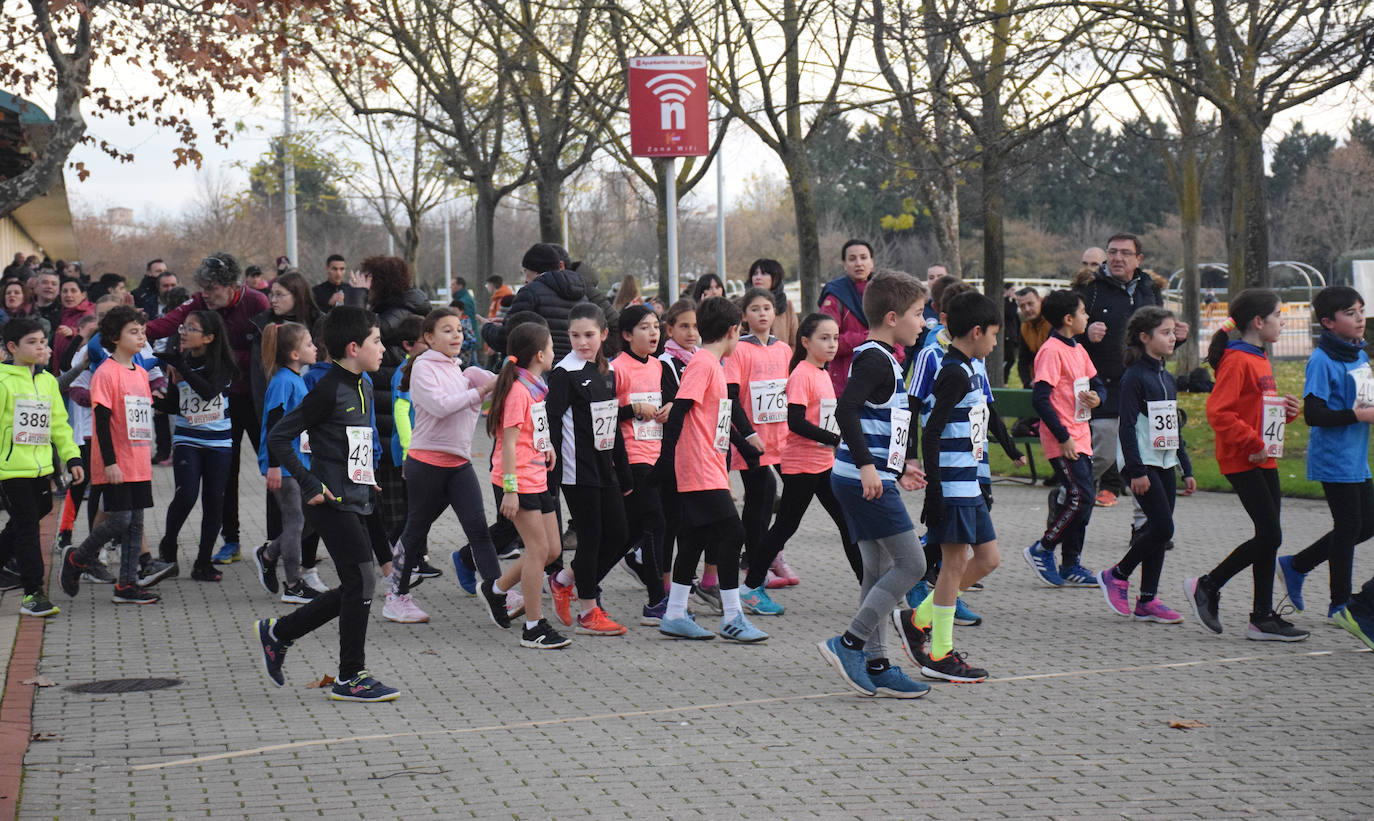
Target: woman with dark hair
column 769, row 275
column 290, row 300
column 74, row 307
column 16, row 302
column 707, row 286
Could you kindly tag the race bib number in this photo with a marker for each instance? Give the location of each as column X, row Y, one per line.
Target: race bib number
column 650, row 430
column 722, row 440
column 305, row 442
column 768, row 399
column 604, row 423
column 1163, row 419
column 138, row 418
column 1272, row 424
column 1081, row 411
column 978, row 429
column 901, row 432
column 360, row 456
column 826, row 419
column 32, row 422
column 1364, row 386
column 539, row 418
column 197, row 411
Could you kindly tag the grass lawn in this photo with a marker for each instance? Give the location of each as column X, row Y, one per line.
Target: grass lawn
column 1198, row 435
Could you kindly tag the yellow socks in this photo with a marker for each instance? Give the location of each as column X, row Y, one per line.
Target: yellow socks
column 942, row 636
column 925, row 611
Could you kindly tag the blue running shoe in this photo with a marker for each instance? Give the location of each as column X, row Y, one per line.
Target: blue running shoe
column 756, row 602
column 652, row 615
column 1042, row 562
column 227, row 554
column 1332, row 611
column 1357, row 625
column 1076, row 575
column 918, row 594
column 741, row 630
column 467, row 576
column 850, row 664
column 273, row 650
column 1291, row 580
column 893, row 683
column 965, row 617
column 363, row 687
column 684, row 628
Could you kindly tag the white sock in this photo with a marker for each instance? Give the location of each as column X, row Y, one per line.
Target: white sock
column 729, row 602
column 496, row 588
column 530, row 625
column 677, row 601
column 564, row 577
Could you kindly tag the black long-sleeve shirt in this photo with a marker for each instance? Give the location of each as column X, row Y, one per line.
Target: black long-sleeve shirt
column 870, row 380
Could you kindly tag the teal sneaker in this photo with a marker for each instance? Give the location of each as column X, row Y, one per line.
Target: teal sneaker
column 850, row 664
column 741, row 630
column 756, row 602
column 684, row 628
column 963, row 616
column 893, row 683
column 1358, row 626
column 918, row 594
column 228, row 554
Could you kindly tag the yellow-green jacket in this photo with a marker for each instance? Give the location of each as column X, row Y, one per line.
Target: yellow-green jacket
column 19, row 461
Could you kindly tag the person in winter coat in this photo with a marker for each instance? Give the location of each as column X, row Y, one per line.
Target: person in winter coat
column 74, row 307
column 843, row 298
column 768, row 275
column 551, row 290
column 291, row 300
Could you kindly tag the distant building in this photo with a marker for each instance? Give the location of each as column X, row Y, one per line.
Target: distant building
column 119, row 216
column 42, row 226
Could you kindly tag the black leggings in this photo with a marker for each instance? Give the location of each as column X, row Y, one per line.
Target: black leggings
column 760, row 490
column 1352, row 522
column 431, row 489
column 76, row 491
column 1258, row 489
column 243, row 419
column 1069, row 525
column 726, row 534
column 797, row 491
column 1147, row 549
column 600, row 516
column 644, row 529
column 200, row 474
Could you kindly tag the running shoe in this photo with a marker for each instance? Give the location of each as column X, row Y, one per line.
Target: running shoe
column 467, row 576
column 228, row 554
column 363, row 687
column 570, row 539
column 963, row 616
column 133, row 594
column 1205, row 601
column 9, row 580
column 155, row 570
column 771, row 580
column 976, row 587
column 893, row 683
column 1331, row 612
column 204, row 573
column 756, row 602
column 496, row 604
column 953, row 668
column 273, row 650
column 70, row 578
column 511, row 551
column 1116, row 591
column 37, row 604
column 1156, row 611
column 633, row 565
column 784, row 571
column 64, row 539
column 595, row 622
column 1272, row 627
column 425, row 570
column 740, row 629
column 685, row 627
column 918, row 594
column 1041, row 561
column 915, row 640
column 708, row 596
column 1357, row 625
column 515, row 605
column 97, row 573
column 267, row 568
column 1105, row 498
column 653, row 614
column 299, row 593
column 562, row 600
column 311, row 577
column 1076, row 575
column 1291, row 580
column 849, row 663
column 402, row 609
column 543, row 637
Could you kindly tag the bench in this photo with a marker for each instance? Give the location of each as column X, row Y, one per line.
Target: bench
column 1014, row 404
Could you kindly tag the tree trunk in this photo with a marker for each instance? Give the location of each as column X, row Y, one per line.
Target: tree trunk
column 799, row 177
column 942, row 198
column 1248, row 233
column 484, row 235
column 994, row 250
column 53, row 148
column 548, row 186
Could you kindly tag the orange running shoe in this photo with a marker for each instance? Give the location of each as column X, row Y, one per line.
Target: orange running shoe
column 595, row 622
column 1105, row 498
column 562, row 600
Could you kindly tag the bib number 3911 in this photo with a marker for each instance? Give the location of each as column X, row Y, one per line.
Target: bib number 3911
column 901, row 433
column 32, row 422
column 1272, row 424
column 360, row 456
column 138, row 417
column 1163, row 417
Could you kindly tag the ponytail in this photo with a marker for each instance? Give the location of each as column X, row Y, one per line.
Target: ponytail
column 523, row 344
column 587, row 310
column 278, row 341
column 1143, row 321
column 1250, row 304
column 808, row 327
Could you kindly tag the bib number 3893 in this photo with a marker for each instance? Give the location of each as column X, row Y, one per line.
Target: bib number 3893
column 138, row 417
column 360, row 456
column 32, row 422
column 901, row 433
column 1272, row 424
column 1163, row 417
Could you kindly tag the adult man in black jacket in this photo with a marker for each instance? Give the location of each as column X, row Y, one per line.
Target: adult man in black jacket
column 551, row 289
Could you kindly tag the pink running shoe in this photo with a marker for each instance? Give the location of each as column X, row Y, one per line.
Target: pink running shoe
column 403, row 610
column 515, row 604
column 1154, row 610
column 773, row 581
column 784, row 571
column 1116, row 592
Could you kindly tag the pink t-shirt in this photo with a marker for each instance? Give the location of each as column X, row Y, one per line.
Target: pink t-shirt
column 698, row 463
column 1060, row 365
column 761, row 373
column 531, row 468
column 119, row 389
column 808, row 385
column 633, row 377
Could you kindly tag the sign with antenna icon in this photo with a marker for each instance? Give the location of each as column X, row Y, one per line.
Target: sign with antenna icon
column 668, row 107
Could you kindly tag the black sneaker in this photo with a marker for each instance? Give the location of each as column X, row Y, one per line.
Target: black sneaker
column 205, row 573
column 152, row 571
column 363, row 687
column 267, row 568
column 426, row 570
column 70, row 578
column 496, row 604
column 915, row 641
column 1272, row 627
column 133, row 594
column 543, row 637
column 570, row 539
column 1205, row 601
column 511, row 551
column 952, row 668
column 9, row 580
column 37, row 604
column 299, row 593
column 64, row 539
column 273, row 650
column 97, row 573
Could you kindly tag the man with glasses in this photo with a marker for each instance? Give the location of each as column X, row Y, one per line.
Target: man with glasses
column 221, row 290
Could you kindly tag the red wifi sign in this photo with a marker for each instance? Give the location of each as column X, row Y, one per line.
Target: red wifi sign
column 668, row 112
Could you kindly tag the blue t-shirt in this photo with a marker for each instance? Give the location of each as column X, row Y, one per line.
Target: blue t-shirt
column 1337, row 454
column 286, row 390
column 397, row 458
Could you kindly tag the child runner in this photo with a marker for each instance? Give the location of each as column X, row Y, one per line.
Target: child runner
column 287, row 350
column 33, row 421
column 122, row 461
column 1248, row 417
column 522, row 456
column 77, row 377
column 694, row 443
column 757, row 377
column 877, row 453
column 339, row 491
column 585, row 433
column 642, row 384
column 197, row 403
column 1338, row 404
column 1152, row 449
column 808, row 455
column 1066, row 390
column 447, row 400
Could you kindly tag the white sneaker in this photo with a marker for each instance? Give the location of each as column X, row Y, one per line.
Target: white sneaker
column 311, row 578
column 403, row 610
column 515, row 604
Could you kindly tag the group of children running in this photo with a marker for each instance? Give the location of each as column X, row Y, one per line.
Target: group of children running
column 642, row 447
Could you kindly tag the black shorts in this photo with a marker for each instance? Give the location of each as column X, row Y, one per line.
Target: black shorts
column 125, row 496
column 542, row 502
column 702, row 507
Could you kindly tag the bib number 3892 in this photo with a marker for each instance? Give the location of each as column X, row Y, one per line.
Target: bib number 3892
column 360, row 456
column 32, row 422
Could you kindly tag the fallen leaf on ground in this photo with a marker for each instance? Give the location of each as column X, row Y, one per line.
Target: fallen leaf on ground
column 325, row 681
column 40, row 681
column 428, row 653
column 43, row 737
column 1185, row 724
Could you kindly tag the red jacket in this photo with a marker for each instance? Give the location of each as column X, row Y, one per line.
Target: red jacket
column 853, row 333
column 238, row 324
column 1236, row 406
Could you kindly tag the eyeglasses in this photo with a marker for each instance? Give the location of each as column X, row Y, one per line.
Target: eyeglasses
column 190, row 329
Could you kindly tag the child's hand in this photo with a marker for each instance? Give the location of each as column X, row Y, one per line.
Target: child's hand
column 872, row 485
column 1189, row 486
column 1069, row 449
column 317, row 499
column 1140, row 485
column 662, row 415
column 510, row 504
column 1365, row 414
column 274, row 479
column 1293, row 405
column 1021, row 462
column 358, row 279
column 1256, row 458
column 916, row 473
column 113, row 475
column 1090, row 398
column 78, row 475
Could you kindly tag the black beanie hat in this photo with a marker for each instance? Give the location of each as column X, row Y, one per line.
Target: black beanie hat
column 544, row 256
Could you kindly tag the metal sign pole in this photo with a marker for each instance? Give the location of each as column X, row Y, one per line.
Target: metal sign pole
column 673, row 289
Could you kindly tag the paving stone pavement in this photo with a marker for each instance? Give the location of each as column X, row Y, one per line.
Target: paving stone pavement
column 1073, row 724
